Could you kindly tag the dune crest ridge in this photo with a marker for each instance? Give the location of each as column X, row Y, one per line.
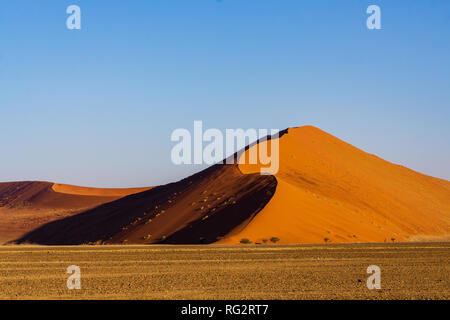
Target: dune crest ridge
column 96, row 192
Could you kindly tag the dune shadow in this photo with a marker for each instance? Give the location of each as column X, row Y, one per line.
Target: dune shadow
column 224, row 198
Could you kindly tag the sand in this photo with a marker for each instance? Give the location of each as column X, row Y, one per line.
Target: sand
column 25, row 206
column 96, row 192
column 330, row 191
column 326, row 191
column 199, row 209
column 408, row 271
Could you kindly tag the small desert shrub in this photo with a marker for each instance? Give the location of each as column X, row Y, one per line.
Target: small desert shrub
column 264, row 240
column 393, row 239
column 245, row 241
column 147, row 237
column 326, row 240
column 274, row 239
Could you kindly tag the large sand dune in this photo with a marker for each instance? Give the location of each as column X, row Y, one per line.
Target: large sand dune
column 325, row 191
column 331, row 191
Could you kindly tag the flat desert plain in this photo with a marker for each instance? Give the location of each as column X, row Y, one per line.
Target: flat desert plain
column 333, row 271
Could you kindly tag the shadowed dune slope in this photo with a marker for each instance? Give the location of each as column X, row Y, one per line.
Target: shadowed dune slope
column 330, row 191
column 216, row 202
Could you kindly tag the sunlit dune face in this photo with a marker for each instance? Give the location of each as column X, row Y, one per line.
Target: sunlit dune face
column 329, row 191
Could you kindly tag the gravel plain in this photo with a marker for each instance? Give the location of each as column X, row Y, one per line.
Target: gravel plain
column 408, row 271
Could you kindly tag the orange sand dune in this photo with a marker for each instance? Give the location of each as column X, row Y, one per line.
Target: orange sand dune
column 330, row 191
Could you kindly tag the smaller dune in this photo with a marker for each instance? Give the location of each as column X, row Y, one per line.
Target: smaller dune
column 27, row 205
column 95, row 192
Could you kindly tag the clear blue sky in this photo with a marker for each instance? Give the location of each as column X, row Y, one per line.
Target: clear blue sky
column 97, row 106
